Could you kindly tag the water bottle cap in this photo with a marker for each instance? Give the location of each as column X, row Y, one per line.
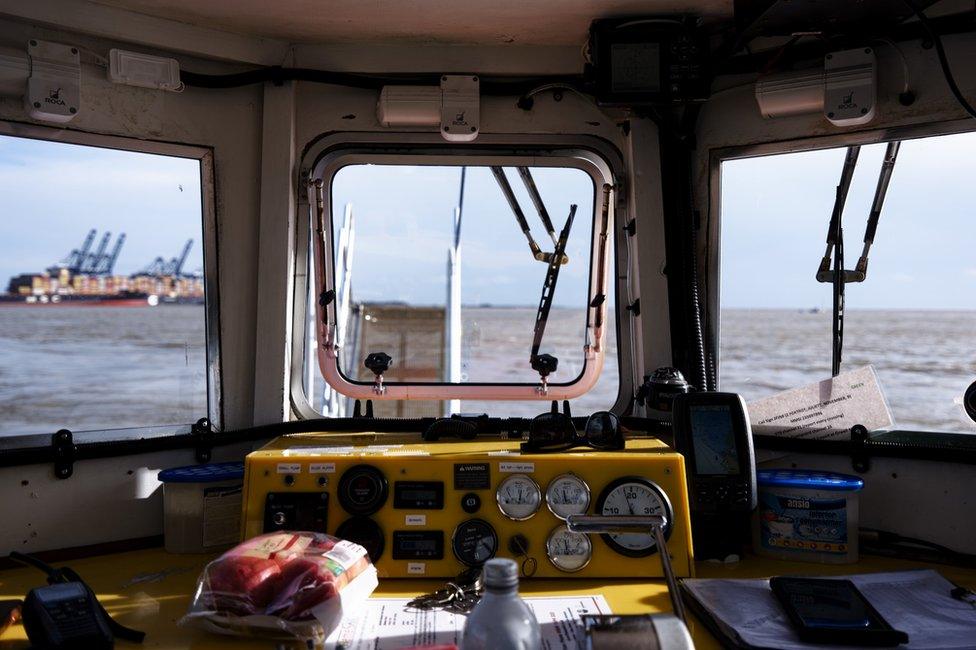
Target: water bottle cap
column 501, row 573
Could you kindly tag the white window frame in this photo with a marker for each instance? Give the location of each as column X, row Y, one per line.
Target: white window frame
column 324, row 158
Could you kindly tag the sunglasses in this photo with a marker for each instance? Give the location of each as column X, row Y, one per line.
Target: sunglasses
column 555, row 431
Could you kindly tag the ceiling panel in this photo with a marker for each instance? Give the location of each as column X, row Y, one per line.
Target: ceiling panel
column 522, row 22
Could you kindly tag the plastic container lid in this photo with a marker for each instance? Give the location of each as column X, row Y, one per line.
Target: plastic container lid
column 209, row 473
column 808, row 479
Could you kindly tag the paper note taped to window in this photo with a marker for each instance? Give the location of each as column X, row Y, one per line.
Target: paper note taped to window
column 825, row 410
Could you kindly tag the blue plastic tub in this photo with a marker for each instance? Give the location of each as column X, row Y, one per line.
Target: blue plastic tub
column 807, row 515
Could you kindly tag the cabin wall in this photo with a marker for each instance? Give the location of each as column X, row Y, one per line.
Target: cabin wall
column 119, row 498
column 257, row 134
column 920, row 499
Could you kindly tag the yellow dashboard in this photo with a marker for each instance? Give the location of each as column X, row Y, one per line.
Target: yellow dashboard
column 435, row 509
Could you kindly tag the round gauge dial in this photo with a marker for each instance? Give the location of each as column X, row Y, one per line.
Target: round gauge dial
column 567, row 495
column 568, row 551
column 519, row 497
column 474, row 542
column 362, row 490
column 633, row 495
column 365, row 532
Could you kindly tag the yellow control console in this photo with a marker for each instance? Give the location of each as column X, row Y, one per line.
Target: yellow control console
column 434, row 509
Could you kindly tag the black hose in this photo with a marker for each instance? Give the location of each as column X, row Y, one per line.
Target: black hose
column 276, row 74
column 698, row 334
column 943, row 60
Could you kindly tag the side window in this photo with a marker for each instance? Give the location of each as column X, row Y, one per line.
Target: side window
column 432, row 266
column 913, row 316
column 102, row 303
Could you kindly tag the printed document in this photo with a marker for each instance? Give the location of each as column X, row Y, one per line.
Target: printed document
column 386, row 624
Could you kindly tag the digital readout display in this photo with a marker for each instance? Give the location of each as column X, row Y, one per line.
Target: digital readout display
column 418, row 545
column 713, row 435
column 418, row 495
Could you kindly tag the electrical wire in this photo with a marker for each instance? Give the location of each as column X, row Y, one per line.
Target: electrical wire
column 943, row 60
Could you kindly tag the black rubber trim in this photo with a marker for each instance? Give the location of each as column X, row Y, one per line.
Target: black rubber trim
column 918, row 445
column 915, row 445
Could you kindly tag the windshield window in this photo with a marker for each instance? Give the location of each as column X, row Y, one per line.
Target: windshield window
column 102, row 315
column 914, row 315
column 404, row 235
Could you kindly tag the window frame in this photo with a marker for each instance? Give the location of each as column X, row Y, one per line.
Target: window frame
column 718, row 155
column 332, row 152
column 205, row 157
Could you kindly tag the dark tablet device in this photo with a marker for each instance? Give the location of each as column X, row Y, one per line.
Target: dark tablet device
column 833, row 611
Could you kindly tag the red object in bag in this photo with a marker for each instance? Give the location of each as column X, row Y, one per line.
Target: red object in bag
column 281, row 574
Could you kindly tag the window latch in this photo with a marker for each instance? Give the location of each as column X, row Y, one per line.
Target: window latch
column 202, row 433
column 63, row 446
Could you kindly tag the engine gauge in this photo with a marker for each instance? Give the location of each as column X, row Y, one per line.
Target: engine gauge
column 634, row 495
column 519, row 497
column 568, row 551
column 567, row 495
column 474, row 542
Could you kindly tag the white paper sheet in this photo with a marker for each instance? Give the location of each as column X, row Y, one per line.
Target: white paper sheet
column 386, row 624
column 915, row 602
column 824, row 410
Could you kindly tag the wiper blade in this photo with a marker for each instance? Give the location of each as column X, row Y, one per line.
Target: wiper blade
column 545, row 364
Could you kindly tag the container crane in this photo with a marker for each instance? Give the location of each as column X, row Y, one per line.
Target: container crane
column 92, row 261
column 76, row 258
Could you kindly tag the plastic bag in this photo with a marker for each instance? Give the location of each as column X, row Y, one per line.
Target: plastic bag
column 283, row 585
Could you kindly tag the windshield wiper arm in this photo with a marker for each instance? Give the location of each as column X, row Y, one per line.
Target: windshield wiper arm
column 838, row 276
column 540, row 207
column 523, row 223
column 545, row 364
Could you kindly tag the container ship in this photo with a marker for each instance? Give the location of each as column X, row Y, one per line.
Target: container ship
column 86, row 278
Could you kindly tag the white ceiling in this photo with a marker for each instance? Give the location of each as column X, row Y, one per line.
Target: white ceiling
column 482, row 22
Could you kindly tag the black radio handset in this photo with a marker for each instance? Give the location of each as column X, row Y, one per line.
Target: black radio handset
column 66, row 614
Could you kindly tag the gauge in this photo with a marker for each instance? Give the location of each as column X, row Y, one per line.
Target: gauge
column 365, row 532
column 519, row 497
column 568, row 551
column 474, row 542
column 633, row 495
column 567, row 495
column 362, row 490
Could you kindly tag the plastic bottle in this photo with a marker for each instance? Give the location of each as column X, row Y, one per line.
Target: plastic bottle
column 502, row 620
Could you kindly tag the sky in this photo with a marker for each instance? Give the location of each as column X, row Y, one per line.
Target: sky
column 776, row 209
column 404, row 219
column 52, row 194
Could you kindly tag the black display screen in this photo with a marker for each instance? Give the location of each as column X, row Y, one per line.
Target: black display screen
column 713, row 436
column 418, row 495
column 635, row 67
column 418, row 545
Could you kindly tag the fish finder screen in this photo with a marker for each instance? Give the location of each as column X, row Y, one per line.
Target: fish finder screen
column 714, row 440
column 635, row 67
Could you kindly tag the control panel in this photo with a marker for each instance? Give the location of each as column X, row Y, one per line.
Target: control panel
column 434, row 509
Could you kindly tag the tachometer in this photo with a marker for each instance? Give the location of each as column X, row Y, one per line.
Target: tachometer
column 519, row 497
column 634, row 495
column 568, row 551
column 567, row 494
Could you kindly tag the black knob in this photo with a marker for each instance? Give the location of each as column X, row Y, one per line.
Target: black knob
column 544, row 364
column 378, row 362
column 969, row 401
column 470, row 503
